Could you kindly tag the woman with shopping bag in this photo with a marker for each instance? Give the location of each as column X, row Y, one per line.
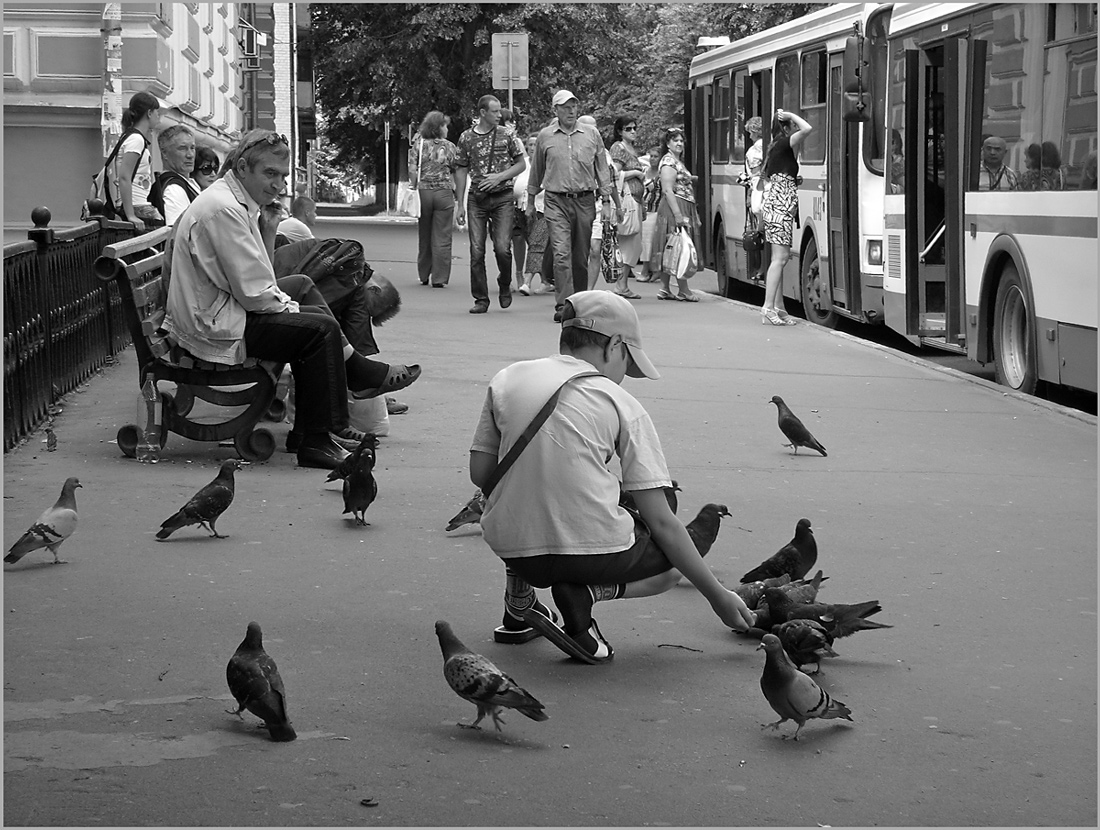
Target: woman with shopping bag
column 676, row 212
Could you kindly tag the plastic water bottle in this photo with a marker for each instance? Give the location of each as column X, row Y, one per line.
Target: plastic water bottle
column 149, row 415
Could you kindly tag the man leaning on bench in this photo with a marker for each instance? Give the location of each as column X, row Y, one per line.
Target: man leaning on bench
column 225, row 304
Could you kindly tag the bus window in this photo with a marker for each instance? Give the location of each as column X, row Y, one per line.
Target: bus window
column 738, row 117
column 874, row 135
column 895, row 171
column 720, row 119
column 815, row 75
column 786, row 88
column 1068, row 133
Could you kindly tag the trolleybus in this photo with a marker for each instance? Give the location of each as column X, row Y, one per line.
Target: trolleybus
column 903, row 220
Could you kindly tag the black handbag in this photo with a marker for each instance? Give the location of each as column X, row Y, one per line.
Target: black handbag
column 752, row 238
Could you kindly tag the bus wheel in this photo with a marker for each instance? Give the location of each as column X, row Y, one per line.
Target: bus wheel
column 1013, row 329
column 721, row 264
column 817, row 300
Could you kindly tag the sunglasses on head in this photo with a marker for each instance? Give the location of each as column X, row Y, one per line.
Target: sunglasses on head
column 271, row 138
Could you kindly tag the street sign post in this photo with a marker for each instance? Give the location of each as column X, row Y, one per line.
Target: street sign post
column 510, row 69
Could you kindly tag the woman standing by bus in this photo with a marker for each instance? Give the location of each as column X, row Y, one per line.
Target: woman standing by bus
column 676, row 210
column 781, row 207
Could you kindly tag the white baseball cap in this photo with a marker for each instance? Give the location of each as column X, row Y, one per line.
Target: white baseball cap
column 609, row 314
column 563, row 96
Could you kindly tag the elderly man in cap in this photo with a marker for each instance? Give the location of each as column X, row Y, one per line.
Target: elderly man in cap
column 570, row 164
column 555, row 518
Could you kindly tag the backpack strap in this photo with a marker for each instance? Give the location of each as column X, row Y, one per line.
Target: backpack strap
column 521, row 443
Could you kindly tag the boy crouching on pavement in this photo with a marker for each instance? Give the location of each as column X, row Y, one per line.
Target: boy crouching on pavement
column 555, row 519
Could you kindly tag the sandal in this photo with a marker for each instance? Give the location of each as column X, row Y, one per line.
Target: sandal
column 398, row 376
column 628, row 294
column 687, row 298
column 665, row 295
column 542, row 624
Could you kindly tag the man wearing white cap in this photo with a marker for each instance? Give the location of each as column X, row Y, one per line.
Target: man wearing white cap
column 570, row 164
column 555, row 518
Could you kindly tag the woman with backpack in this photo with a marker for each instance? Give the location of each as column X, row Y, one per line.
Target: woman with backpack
column 133, row 169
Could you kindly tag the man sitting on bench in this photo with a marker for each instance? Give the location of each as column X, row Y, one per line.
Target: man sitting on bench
column 224, row 303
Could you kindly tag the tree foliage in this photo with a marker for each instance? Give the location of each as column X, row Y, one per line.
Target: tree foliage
column 377, row 62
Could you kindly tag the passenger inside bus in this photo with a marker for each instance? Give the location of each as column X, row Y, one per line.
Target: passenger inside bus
column 993, row 174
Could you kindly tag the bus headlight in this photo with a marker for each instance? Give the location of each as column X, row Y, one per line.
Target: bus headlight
column 874, row 252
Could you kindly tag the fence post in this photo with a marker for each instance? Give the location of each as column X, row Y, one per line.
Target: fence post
column 43, row 236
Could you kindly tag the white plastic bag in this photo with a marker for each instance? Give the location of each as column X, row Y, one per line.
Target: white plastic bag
column 680, row 258
column 370, row 415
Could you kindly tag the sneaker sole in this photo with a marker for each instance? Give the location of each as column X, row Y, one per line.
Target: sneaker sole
column 563, row 641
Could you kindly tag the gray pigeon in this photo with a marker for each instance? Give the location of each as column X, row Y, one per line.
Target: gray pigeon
column 53, row 527
column 256, row 685
column 476, row 679
column 470, row 514
column 800, row 592
column 793, row 695
column 51, row 440
column 206, row 506
column 795, row 431
column 794, row 559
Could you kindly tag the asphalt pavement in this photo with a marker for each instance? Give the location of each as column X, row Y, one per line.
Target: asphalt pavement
column 967, row 511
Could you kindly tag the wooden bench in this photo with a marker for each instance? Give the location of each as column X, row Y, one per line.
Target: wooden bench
column 136, row 265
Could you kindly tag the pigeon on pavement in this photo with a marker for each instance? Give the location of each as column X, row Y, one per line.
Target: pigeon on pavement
column 703, row 529
column 753, row 592
column 360, row 487
column 802, row 591
column 470, row 514
column 794, row 429
column 255, row 683
column 206, row 506
column 51, row 440
column 805, row 641
column 838, row 620
column 792, row 694
column 351, row 460
column 794, row 559
column 53, row 527
column 476, row 679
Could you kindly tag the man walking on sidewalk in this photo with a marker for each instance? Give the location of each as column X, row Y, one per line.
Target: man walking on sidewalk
column 492, row 156
column 570, row 164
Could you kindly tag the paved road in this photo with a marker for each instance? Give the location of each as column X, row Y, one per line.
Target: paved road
column 969, row 513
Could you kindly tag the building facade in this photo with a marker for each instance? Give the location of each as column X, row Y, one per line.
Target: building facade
column 220, row 68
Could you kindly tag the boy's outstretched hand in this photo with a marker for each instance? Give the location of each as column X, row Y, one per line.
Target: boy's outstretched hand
column 735, row 613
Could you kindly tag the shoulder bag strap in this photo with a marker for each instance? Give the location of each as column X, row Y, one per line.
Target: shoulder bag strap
column 521, row 443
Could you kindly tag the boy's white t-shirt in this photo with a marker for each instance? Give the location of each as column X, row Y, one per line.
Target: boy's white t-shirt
column 560, row 496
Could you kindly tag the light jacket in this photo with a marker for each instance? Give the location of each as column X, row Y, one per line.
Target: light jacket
column 220, row 272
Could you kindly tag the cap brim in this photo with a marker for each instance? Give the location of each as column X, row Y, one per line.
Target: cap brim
column 640, row 364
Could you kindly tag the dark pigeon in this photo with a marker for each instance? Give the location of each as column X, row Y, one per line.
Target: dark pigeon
column 53, row 527
column 205, row 506
column 753, row 592
column 476, row 679
column 802, row 591
column 351, row 460
column 837, row 619
column 805, row 641
column 360, row 487
column 794, row 559
column 256, row 685
column 793, row 695
column 703, row 529
column 794, row 429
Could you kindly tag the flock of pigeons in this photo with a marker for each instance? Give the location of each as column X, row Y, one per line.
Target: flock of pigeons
column 794, row 629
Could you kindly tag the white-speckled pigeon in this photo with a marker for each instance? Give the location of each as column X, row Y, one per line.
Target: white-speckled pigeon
column 476, row 679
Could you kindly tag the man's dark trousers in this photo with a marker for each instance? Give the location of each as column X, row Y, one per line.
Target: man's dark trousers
column 570, row 221
column 490, row 215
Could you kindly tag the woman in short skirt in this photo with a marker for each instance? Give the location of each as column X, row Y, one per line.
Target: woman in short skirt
column 780, row 208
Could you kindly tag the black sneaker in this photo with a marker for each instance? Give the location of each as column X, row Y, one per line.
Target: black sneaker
column 479, row 308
